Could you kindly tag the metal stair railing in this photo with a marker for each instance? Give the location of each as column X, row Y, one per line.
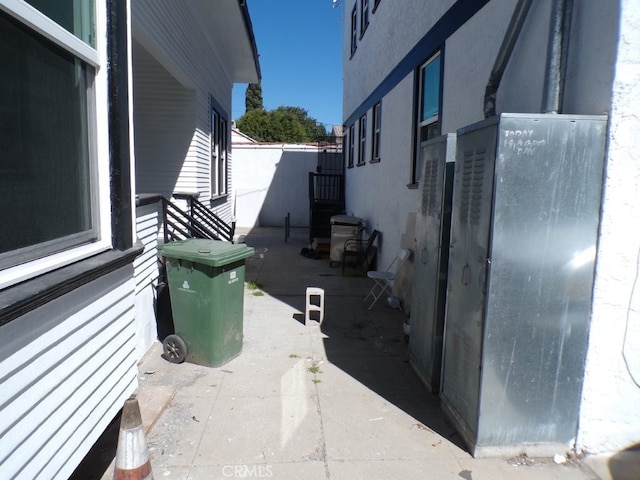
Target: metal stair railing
column 210, row 221
column 198, row 222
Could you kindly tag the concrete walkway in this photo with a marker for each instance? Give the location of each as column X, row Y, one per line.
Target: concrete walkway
column 307, row 402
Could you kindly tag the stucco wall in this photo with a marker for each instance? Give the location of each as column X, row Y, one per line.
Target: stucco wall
column 610, row 417
column 270, row 181
column 383, row 43
column 378, row 192
column 470, row 55
column 603, row 76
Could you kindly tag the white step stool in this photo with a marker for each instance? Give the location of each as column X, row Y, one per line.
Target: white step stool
column 312, row 307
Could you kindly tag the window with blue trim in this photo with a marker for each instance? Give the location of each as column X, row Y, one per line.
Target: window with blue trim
column 364, row 16
column 362, row 144
column 428, row 118
column 376, row 132
column 351, row 146
column 354, row 29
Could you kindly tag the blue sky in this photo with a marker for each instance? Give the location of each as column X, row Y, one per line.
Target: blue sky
column 300, row 48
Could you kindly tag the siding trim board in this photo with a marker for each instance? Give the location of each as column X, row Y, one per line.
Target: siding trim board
column 22, row 298
column 249, row 30
column 434, row 39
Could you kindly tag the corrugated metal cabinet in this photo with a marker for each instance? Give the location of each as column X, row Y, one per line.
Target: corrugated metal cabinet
column 526, row 203
column 430, row 263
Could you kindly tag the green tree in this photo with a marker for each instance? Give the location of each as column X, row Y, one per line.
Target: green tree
column 284, row 124
column 253, row 97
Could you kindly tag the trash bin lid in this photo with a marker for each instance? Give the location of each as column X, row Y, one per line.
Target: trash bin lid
column 346, row 220
column 214, row 253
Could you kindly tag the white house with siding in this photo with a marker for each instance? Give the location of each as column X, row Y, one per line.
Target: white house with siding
column 95, row 97
column 186, row 56
column 419, row 70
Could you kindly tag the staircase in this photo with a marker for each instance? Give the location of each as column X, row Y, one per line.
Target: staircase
column 197, row 222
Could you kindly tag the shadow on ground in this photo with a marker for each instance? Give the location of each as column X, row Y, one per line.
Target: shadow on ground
column 368, row 345
column 625, row 465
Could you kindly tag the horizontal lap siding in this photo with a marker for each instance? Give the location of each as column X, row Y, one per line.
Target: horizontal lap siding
column 65, row 376
column 146, row 276
column 147, row 227
column 180, row 40
column 164, row 128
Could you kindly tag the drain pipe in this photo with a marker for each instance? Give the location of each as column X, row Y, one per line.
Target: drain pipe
column 502, row 59
column 557, row 53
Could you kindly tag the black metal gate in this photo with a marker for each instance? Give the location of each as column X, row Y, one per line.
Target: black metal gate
column 326, row 188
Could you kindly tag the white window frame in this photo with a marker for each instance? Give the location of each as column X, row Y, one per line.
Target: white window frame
column 34, row 19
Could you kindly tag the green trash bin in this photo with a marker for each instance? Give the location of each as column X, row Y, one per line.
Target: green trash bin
column 206, row 286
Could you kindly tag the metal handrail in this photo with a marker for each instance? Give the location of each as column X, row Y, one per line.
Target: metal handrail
column 199, row 222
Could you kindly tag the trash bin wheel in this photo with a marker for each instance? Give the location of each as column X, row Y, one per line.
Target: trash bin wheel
column 175, row 350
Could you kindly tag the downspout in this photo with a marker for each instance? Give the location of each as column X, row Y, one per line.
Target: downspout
column 557, row 53
column 502, row 59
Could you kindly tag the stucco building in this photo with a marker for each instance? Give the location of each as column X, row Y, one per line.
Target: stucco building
column 421, row 70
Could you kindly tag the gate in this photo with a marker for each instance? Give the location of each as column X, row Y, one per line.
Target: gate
column 326, row 188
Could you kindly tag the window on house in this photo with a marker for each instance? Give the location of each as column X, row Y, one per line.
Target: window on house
column 52, row 115
column 354, row 29
column 364, row 16
column 376, row 130
column 362, row 144
column 219, row 133
column 351, row 146
column 428, row 121
column 77, row 17
column 375, row 5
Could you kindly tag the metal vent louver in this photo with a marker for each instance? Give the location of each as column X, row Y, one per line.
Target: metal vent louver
column 430, row 179
column 472, row 185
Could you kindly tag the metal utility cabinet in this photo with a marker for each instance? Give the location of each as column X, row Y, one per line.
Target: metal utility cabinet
column 526, row 203
column 343, row 228
column 430, row 263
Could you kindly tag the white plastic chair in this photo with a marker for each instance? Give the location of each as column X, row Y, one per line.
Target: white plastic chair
column 383, row 279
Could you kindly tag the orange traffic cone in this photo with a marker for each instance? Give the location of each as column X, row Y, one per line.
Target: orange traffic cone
column 132, row 455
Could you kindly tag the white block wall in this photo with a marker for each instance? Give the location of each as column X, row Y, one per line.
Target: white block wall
column 271, row 181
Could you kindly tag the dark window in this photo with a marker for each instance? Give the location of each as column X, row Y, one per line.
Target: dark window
column 77, row 17
column 354, row 29
column 376, row 130
column 219, row 133
column 364, row 16
column 351, row 146
column 48, row 156
column 362, row 144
